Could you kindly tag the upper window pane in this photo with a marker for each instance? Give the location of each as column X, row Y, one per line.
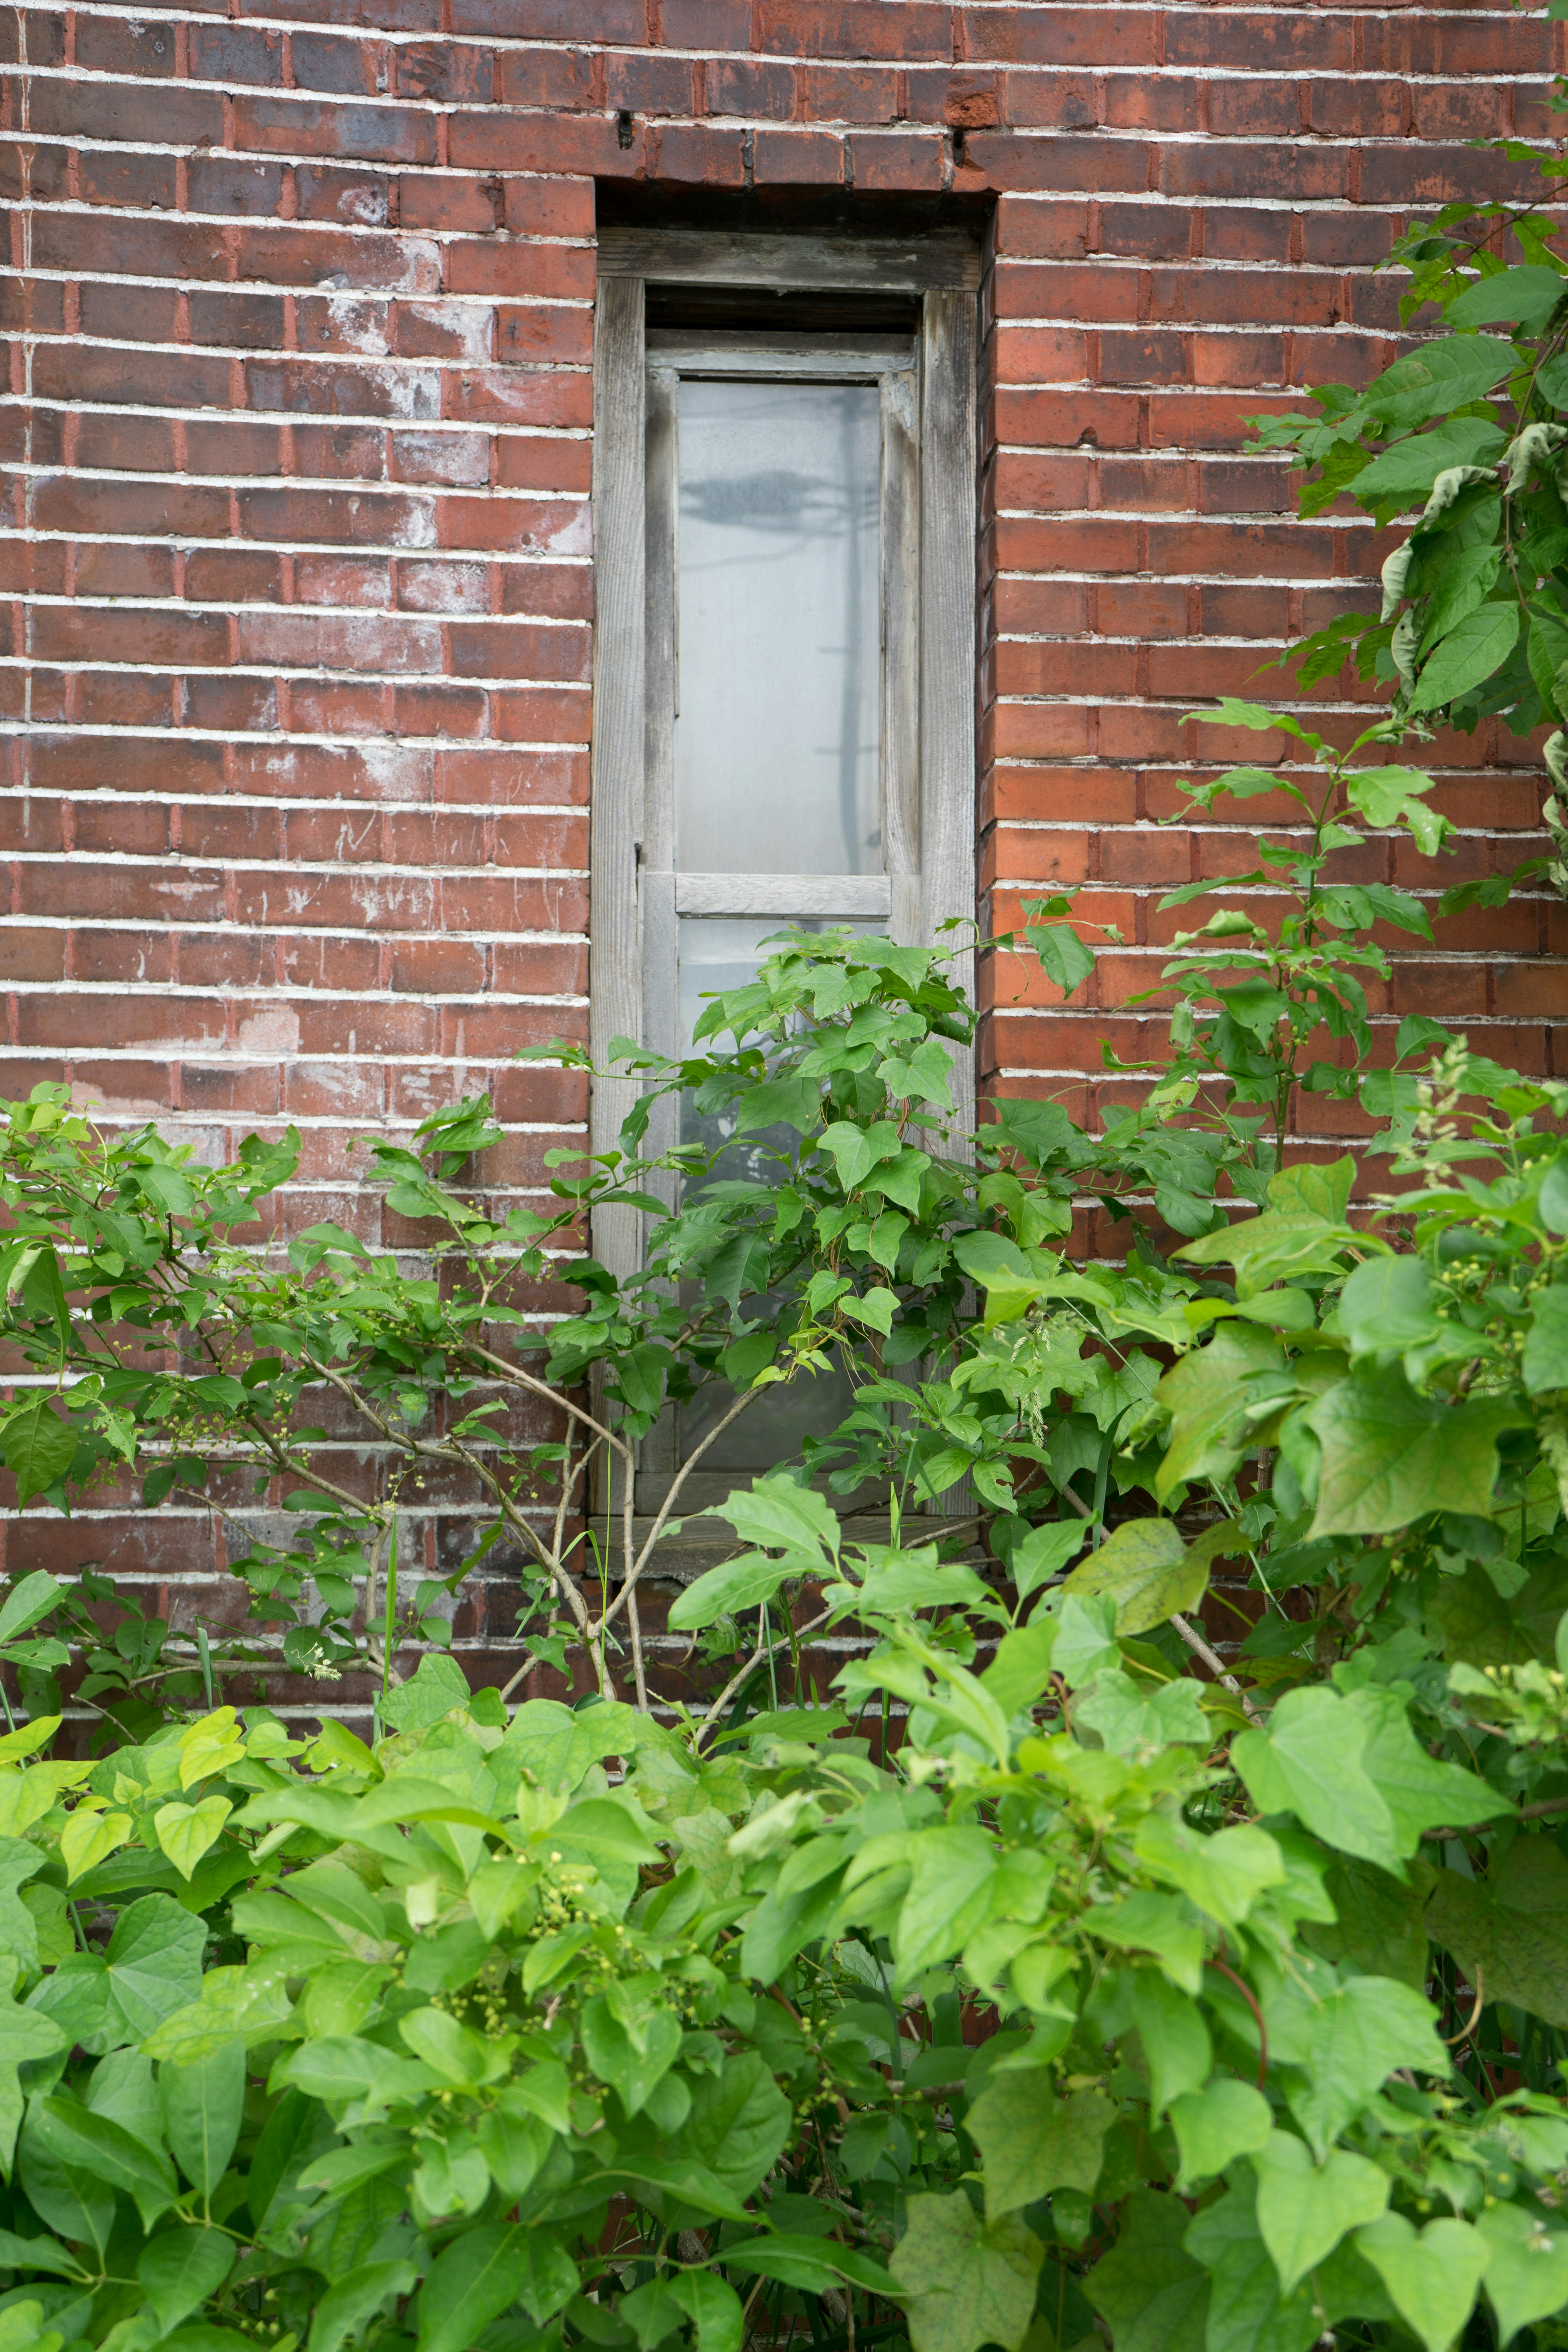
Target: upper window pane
column 777, row 734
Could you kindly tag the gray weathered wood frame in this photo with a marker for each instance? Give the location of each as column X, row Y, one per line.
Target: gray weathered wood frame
column 929, row 521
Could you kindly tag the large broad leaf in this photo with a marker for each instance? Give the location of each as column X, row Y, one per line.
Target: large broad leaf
column 1247, row 2312
column 77, row 2205
column 1404, row 473
column 780, row 1516
column 1438, row 378
column 1483, row 1629
column 1206, row 1394
column 1527, row 2266
column 1176, row 2045
column 1147, row 1571
column 1304, row 2210
column 714, row 2308
column 1472, row 651
column 1378, row 1927
column 1216, row 2125
column 180, row 2268
column 1431, row 2276
column 1223, row 1873
column 739, row 2124
column 472, row 2283
column 1359, row 2033
column 1010, row 1283
column 1310, row 1761
column 1545, row 1361
column 1528, row 294
column 26, row 1602
column 24, row 2035
column 349, row 2301
column 737, row 1585
column 1420, row 1792
column 1392, row 1456
column 1387, row 1303
column 438, row 1685
column 154, row 1962
column 202, row 2108
column 37, row 1447
column 1513, row 1928
column 631, row 2060
column 948, row 1897
column 1031, row 2143
column 968, row 2283
column 96, row 2144
column 1149, row 2289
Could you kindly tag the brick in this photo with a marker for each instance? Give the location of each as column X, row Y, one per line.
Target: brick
column 802, row 158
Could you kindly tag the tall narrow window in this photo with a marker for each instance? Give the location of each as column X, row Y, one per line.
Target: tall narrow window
column 783, row 686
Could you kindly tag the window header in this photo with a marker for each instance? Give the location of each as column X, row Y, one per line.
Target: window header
column 908, row 265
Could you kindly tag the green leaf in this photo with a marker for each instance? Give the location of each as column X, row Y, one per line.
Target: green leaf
column 1223, row 1873
column 1527, row 2266
column 1029, row 2144
column 1044, row 1552
column 438, row 1685
column 1445, row 374
column 356, row 2297
column 1216, row 2125
column 1205, row 1394
column 203, row 2107
column 1528, row 295
column 630, row 2062
column 1432, row 2277
column 1148, row 2287
column 1304, row 2210
column 76, row 2203
column 714, row 2308
column 38, row 1447
column 743, row 1582
column 473, row 2281
column 780, row 1102
column 1420, row 1792
column 185, row 1831
column 1392, row 1456
column 1063, row 956
column 810, row 2263
column 1246, row 2311
column 155, row 1959
column 739, row 2125
column 951, row 1876
column 180, row 2268
column 1310, row 1761
column 1512, row 1927
column 966, row 2283
column 98, row 2145
column 1403, row 475
column 1473, row 650
column 1387, row 1303
column 1145, row 1569
column 1357, row 2036
column 1132, row 1718
column 1177, row 2049
column 778, row 1514
column 1001, row 1271
column 1545, row 1361
column 25, row 1603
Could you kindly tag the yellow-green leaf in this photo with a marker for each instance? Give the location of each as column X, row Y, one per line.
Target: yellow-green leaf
column 88, row 1836
column 185, row 1831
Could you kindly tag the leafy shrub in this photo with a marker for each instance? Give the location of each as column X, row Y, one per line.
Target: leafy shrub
column 1207, row 1998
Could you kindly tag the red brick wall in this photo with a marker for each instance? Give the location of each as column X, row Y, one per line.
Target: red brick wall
column 297, row 567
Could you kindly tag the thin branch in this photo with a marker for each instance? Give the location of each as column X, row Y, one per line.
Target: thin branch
column 624, row 1597
column 1214, row 1662
column 762, row 1650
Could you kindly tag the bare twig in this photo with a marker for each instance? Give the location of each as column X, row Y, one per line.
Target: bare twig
column 762, row 1650
column 1214, row 1662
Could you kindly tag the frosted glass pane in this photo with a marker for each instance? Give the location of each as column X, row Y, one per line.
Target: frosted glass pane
column 776, row 734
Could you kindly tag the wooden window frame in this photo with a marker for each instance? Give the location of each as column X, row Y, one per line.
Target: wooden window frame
column 929, row 591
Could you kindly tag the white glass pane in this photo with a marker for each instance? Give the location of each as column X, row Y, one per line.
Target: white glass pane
column 777, row 729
